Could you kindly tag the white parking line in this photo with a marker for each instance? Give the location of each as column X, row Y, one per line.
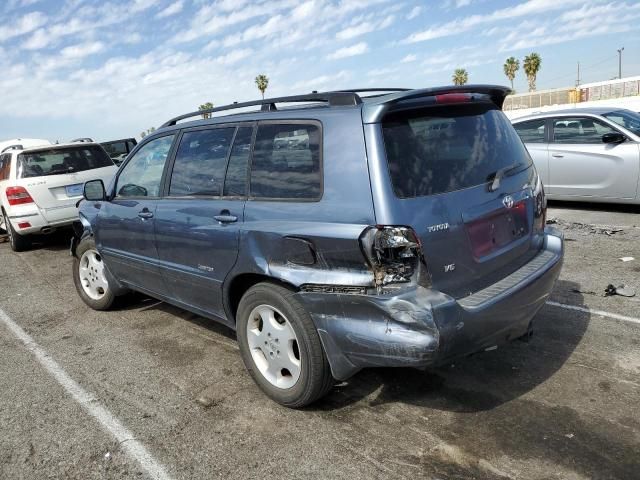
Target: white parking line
column 602, row 313
column 134, row 448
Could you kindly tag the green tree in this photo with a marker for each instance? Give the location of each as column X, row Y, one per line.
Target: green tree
column 531, row 65
column 206, row 106
column 460, row 76
column 262, row 82
column 511, row 66
column 149, row 131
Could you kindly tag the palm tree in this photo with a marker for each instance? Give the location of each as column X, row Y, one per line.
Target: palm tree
column 511, row 66
column 262, row 82
column 532, row 64
column 460, row 76
column 206, row 106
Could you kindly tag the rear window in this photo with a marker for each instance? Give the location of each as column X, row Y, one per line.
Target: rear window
column 59, row 161
column 442, row 149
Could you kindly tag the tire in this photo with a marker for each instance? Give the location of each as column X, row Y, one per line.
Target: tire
column 19, row 243
column 89, row 276
column 268, row 341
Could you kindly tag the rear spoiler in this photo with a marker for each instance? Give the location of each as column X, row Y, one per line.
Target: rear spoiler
column 374, row 111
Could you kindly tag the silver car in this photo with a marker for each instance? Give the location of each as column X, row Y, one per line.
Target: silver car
column 586, row 154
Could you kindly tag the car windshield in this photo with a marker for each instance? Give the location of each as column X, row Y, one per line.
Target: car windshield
column 62, row 160
column 441, row 149
column 625, row 118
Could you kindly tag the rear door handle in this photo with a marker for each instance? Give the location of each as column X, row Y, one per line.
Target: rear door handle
column 557, row 155
column 145, row 214
column 226, row 218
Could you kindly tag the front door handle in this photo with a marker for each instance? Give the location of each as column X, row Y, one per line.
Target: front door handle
column 226, row 217
column 557, row 155
column 145, row 214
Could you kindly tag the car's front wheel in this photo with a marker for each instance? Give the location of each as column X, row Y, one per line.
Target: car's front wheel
column 89, row 276
column 19, row 243
column 280, row 346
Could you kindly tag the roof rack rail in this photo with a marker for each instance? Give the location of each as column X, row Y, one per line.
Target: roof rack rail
column 12, row 147
column 82, row 140
column 333, row 99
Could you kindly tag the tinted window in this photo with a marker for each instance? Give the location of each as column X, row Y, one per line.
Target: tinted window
column 579, row 130
column 62, row 160
column 626, row 118
column 200, row 162
column 142, row 174
column 5, row 165
column 115, row 149
column 532, row 131
column 286, row 162
column 441, row 149
column 235, row 183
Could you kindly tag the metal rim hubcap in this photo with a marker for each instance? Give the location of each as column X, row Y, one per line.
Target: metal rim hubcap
column 274, row 346
column 7, row 228
column 92, row 278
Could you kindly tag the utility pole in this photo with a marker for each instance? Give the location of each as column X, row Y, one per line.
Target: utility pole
column 578, row 78
column 620, row 62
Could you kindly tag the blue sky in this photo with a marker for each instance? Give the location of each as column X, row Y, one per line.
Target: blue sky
column 110, row 69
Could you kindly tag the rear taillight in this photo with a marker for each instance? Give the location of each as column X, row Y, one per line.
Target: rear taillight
column 394, row 253
column 540, row 207
column 18, row 196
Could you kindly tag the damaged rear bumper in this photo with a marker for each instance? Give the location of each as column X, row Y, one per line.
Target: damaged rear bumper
column 422, row 327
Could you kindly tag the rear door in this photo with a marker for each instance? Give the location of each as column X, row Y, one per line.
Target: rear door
column 442, row 162
column 534, row 135
column 125, row 233
column 581, row 165
column 199, row 219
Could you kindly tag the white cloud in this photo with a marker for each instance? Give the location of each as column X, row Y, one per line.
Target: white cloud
column 364, row 27
column 457, row 26
column 82, row 50
column 234, row 56
column 352, row 51
column 173, row 9
column 409, row 58
column 26, row 24
column 415, row 11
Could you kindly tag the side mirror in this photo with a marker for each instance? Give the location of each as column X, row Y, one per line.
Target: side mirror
column 613, row 137
column 94, row 191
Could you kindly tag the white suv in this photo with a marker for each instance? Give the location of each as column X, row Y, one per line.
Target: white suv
column 40, row 186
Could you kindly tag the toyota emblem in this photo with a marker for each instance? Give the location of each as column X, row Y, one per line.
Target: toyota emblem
column 508, row 201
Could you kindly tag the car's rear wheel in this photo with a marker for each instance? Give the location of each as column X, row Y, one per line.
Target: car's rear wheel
column 19, row 243
column 280, row 346
column 89, row 276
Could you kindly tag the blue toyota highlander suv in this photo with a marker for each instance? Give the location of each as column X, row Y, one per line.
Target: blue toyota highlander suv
column 333, row 231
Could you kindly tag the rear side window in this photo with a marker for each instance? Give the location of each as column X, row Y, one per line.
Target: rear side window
column 235, row 184
column 5, row 165
column 115, row 149
column 62, row 160
column 579, row 130
column 286, row 162
column 532, row 131
column 200, row 162
column 442, row 149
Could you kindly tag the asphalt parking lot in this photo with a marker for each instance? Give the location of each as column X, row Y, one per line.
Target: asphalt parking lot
column 173, row 390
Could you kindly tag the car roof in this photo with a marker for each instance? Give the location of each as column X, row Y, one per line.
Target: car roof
column 57, row 146
column 318, row 105
column 568, row 111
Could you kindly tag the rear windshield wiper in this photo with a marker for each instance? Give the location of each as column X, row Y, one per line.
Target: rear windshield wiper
column 497, row 177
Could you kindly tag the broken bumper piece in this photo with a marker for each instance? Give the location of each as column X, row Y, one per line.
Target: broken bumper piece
column 422, row 327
